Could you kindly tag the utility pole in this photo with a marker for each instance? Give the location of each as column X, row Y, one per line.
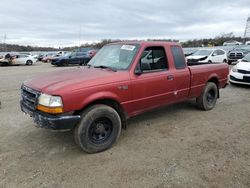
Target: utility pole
column 247, row 29
column 4, row 42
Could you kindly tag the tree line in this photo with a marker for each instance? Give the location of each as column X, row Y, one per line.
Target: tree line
column 217, row 41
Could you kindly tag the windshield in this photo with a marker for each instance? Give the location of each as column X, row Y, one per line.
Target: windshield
column 246, row 58
column 203, row 52
column 242, row 48
column 115, row 56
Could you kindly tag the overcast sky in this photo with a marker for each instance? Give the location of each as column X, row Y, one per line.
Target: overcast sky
column 71, row 22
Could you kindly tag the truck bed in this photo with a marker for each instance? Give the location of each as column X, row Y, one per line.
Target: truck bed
column 201, row 73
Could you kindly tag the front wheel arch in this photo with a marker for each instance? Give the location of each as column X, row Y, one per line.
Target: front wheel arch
column 109, row 102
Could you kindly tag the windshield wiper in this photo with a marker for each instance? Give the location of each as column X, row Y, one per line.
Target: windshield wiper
column 105, row 67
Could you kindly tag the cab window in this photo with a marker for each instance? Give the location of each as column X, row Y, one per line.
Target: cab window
column 153, row 58
column 178, row 56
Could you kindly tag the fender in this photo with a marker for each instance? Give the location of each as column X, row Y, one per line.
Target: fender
column 99, row 96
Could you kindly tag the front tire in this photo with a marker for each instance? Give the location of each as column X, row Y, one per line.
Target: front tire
column 98, row 130
column 29, row 62
column 207, row 99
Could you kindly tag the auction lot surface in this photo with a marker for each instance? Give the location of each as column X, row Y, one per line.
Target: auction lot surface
column 175, row 146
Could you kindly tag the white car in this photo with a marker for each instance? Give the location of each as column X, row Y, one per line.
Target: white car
column 208, row 55
column 240, row 73
column 232, row 43
column 24, row 59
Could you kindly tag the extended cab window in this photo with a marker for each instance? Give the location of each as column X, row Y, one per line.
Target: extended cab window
column 179, row 59
column 153, row 58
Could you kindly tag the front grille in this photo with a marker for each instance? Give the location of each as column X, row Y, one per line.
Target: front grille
column 192, row 60
column 243, row 71
column 235, row 55
column 29, row 97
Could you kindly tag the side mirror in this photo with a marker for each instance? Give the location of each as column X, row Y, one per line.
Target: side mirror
column 138, row 70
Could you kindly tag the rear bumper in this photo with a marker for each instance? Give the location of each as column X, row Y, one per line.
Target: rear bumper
column 55, row 122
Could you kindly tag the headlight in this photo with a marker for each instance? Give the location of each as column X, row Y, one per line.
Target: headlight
column 50, row 104
column 50, row 101
column 234, row 69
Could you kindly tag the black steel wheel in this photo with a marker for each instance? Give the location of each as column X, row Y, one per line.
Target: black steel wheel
column 208, row 97
column 99, row 128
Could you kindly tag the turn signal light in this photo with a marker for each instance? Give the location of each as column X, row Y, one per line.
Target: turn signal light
column 50, row 110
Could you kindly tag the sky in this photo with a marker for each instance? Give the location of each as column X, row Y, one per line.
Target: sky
column 62, row 23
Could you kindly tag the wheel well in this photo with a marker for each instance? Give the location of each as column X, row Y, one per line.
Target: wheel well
column 113, row 104
column 216, row 81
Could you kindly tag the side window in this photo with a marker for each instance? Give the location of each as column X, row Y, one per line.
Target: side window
column 178, row 56
column 221, row 52
column 216, row 52
column 153, row 58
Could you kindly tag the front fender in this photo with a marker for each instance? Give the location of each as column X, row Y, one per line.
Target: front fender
column 99, row 96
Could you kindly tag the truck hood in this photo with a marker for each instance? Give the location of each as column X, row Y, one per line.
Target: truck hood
column 74, row 79
column 197, row 57
column 243, row 66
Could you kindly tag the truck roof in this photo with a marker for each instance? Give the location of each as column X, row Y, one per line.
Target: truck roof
column 147, row 43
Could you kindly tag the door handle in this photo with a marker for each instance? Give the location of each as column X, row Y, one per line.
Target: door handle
column 170, row 77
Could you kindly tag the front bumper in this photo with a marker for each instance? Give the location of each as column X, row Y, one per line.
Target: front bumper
column 239, row 78
column 55, row 122
column 234, row 59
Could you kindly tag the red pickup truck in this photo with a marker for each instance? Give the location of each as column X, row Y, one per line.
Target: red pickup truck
column 122, row 80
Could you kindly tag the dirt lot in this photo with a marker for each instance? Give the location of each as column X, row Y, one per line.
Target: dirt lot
column 176, row 146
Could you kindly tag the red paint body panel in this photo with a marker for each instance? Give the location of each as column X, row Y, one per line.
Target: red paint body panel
column 79, row 87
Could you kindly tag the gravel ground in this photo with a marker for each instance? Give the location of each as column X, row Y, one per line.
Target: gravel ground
column 175, row 146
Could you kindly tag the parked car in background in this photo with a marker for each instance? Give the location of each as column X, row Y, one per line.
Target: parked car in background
column 77, row 58
column 40, row 57
column 237, row 53
column 240, row 73
column 189, row 51
column 24, row 59
column 48, row 57
column 8, row 59
column 232, row 43
column 208, row 55
column 247, row 43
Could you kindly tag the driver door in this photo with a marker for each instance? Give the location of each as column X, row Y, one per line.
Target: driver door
column 155, row 85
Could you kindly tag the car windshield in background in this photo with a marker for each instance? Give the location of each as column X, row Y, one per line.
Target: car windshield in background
column 246, row 58
column 245, row 48
column 115, row 56
column 203, row 52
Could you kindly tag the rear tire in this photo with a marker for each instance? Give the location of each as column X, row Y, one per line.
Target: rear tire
column 98, row 130
column 207, row 99
column 224, row 61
